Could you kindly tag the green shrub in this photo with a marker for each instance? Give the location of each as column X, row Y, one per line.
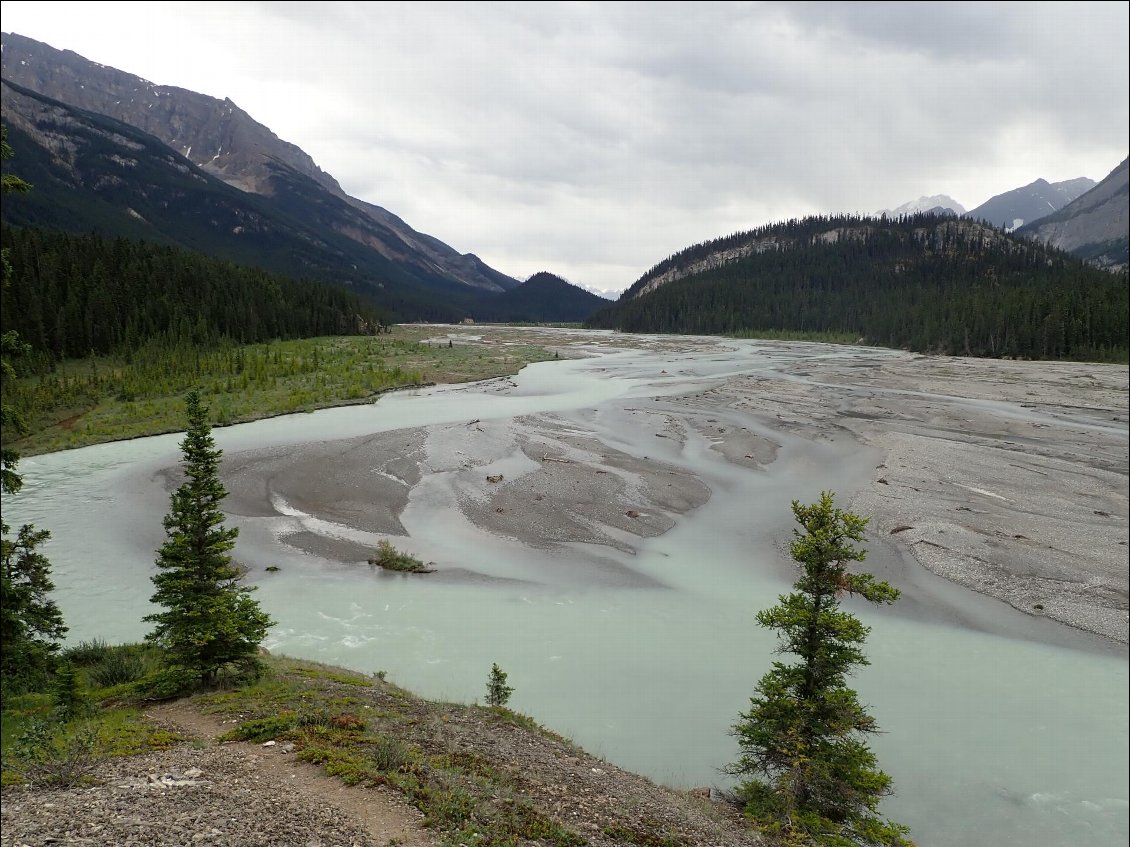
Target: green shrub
column 120, row 665
column 51, row 753
column 391, row 559
column 389, row 754
column 87, row 653
column 166, row 684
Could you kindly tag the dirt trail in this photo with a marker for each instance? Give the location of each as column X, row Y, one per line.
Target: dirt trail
column 382, row 814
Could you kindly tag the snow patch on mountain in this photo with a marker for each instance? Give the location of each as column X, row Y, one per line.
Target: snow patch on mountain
column 933, row 203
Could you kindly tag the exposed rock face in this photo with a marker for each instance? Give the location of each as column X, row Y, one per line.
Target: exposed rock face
column 215, row 134
column 714, row 260
column 1094, row 226
column 226, row 141
column 95, row 173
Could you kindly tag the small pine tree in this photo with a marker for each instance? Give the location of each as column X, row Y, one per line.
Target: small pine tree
column 209, row 620
column 498, row 692
column 813, row 780
column 67, row 700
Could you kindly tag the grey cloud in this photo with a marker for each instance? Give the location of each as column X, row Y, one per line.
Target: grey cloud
column 596, row 139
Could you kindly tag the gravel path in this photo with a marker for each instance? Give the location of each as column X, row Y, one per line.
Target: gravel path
column 204, row 792
column 237, row 794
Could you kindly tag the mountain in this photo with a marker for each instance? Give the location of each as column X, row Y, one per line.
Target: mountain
column 1093, row 226
column 938, row 204
column 1013, row 209
column 92, row 173
column 930, row 283
column 225, row 142
column 543, row 298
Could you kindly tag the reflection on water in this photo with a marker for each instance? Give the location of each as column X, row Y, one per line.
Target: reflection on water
column 990, row 740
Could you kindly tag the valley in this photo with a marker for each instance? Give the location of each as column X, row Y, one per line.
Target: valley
column 434, row 468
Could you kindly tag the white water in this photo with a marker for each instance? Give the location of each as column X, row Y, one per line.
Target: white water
column 990, row 740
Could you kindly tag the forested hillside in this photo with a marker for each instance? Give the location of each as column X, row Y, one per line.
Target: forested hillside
column 922, row 283
column 74, row 295
column 115, row 180
column 543, row 298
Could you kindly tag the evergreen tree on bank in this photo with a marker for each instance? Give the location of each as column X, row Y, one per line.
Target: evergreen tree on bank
column 210, row 620
column 812, row 780
column 31, row 625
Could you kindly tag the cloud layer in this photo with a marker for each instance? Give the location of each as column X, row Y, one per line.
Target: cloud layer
column 593, row 140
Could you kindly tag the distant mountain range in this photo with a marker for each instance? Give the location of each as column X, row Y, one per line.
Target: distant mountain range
column 1076, row 215
column 112, row 153
column 115, row 153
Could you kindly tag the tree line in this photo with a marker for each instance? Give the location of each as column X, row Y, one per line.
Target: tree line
column 74, row 295
column 922, row 283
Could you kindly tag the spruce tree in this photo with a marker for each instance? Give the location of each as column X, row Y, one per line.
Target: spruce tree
column 210, row 620
column 812, row 780
column 31, row 625
column 498, row 692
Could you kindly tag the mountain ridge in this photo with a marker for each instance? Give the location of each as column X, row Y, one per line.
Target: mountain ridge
column 544, row 298
column 1040, row 198
column 89, row 167
column 228, row 143
column 1093, row 225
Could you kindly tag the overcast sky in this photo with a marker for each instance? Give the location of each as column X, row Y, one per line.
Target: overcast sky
column 595, row 139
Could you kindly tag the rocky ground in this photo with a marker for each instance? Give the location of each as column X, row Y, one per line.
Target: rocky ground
column 1007, row 478
column 239, row 794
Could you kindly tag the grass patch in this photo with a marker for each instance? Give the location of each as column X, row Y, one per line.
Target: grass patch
column 262, row 729
column 41, row 749
column 338, row 675
column 95, row 400
column 523, row 722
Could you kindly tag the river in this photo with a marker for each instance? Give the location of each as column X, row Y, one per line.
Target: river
column 990, row 739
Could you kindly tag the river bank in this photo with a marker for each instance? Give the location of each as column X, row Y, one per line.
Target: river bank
column 408, row 772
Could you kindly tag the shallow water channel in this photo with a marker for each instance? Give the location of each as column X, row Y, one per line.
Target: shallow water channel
column 990, row 740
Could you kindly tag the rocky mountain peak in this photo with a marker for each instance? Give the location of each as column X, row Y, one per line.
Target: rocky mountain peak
column 225, row 141
column 935, row 204
column 214, row 134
